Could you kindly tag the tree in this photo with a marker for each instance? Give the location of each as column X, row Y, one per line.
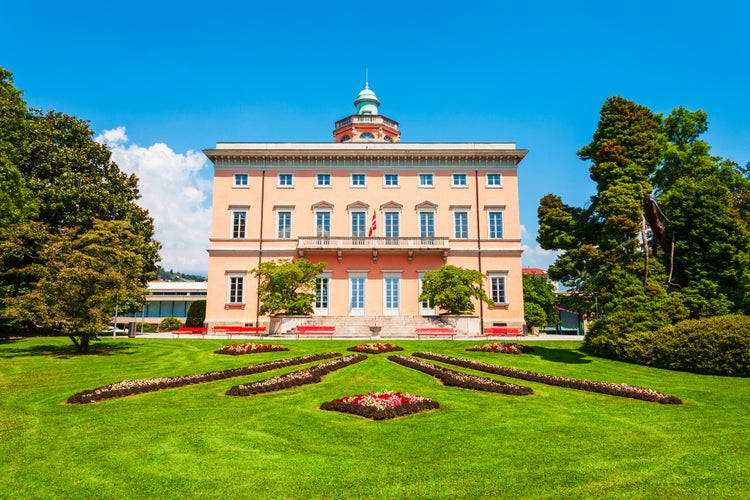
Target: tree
column 539, row 301
column 452, row 288
column 82, row 275
column 287, row 287
column 196, row 313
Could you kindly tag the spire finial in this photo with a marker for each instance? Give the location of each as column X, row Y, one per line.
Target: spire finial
column 367, row 78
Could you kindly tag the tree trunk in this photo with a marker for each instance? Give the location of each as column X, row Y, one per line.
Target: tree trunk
column 82, row 344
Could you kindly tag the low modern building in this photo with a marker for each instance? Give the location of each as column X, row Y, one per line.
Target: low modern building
column 167, row 299
column 378, row 211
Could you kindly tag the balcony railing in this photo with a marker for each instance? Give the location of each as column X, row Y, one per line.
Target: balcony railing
column 374, row 243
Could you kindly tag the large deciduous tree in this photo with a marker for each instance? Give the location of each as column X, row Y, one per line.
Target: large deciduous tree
column 451, row 289
column 539, row 302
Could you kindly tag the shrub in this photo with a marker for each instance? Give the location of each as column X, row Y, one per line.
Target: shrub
column 169, row 324
column 196, row 313
column 714, row 346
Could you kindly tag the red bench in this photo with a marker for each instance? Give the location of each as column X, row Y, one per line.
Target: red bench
column 190, row 330
column 436, row 332
column 315, row 330
column 239, row 330
column 503, row 331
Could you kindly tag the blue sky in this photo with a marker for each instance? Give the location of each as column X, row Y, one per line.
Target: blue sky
column 161, row 80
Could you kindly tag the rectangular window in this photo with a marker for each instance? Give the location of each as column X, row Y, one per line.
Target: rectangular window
column 358, row 224
column 323, row 180
column 425, row 306
column 286, row 180
column 323, row 224
column 494, row 180
column 241, row 180
column 459, row 180
column 358, row 180
column 461, row 225
column 495, row 225
column 236, row 291
column 321, row 293
column 391, row 180
column 497, row 288
column 356, row 295
column 427, row 224
column 391, row 224
column 426, row 180
column 391, row 299
column 284, row 225
column 239, row 223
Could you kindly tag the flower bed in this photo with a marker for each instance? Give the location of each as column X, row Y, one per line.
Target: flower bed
column 463, row 380
column 381, row 405
column 506, row 348
column 131, row 387
column 375, row 348
column 621, row 390
column 249, row 348
column 311, row 375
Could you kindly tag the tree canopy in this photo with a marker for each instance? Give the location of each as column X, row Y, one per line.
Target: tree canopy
column 451, row 289
column 287, row 286
column 539, row 301
column 666, row 235
column 58, row 189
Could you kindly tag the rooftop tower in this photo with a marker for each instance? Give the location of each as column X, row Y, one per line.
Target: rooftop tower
column 366, row 125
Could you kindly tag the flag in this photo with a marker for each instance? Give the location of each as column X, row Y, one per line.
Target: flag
column 373, row 224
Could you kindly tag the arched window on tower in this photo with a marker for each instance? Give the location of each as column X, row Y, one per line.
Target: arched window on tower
column 366, row 135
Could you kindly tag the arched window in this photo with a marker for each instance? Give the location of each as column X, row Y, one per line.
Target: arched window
column 366, row 135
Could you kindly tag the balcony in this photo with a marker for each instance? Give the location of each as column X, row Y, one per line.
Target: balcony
column 375, row 245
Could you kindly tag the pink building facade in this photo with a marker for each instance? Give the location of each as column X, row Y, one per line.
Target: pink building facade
column 378, row 212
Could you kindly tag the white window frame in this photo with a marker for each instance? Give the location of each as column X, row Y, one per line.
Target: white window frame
column 391, row 174
column 321, row 211
column 460, row 175
column 232, row 296
column 285, row 175
column 495, row 277
column 425, row 307
column 234, row 213
column 358, row 175
column 389, row 275
column 426, row 211
column 323, row 175
column 287, row 234
column 319, row 308
column 360, row 213
column 358, row 275
column 423, row 176
column 241, row 180
column 490, row 213
column 386, row 227
column 493, row 174
column 465, row 213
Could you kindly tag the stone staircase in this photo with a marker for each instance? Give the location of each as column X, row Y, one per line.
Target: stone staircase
column 380, row 327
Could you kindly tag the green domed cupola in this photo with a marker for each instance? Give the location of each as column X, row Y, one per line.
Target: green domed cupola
column 367, row 102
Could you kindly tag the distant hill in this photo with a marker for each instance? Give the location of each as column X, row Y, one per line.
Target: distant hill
column 170, row 275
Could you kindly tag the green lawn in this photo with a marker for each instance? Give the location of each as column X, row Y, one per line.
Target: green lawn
column 195, row 442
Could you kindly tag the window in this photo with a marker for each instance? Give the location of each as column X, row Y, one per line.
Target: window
column 495, row 224
column 286, row 180
column 358, row 224
column 461, row 225
column 239, row 223
column 357, row 294
column 322, row 290
column 366, row 135
column 392, row 294
column 494, row 180
column 236, row 289
column 391, row 224
column 284, row 224
column 390, row 180
column 459, row 180
column 425, row 306
column 323, row 180
column 426, row 180
column 426, row 224
column 497, row 288
column 323, row 224
column 358, row 180
column 241, row 180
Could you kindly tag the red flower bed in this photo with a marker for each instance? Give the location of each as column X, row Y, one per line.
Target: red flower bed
column 375, row 348
column 249, row 348
column 381, row 405
column 506, row 348
column 622, row 390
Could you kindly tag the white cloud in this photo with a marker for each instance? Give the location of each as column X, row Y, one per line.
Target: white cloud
column 533, row 254
column 175, row 195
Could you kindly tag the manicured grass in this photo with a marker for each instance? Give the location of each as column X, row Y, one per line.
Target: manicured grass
column 196, row 442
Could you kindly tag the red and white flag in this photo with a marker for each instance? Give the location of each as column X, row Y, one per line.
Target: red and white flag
column 373, row 223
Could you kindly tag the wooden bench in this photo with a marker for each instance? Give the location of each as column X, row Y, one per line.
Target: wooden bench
column 190, row 330
column 503, row 331
column 239, row 330
column 315, row 330
column 436, row 332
